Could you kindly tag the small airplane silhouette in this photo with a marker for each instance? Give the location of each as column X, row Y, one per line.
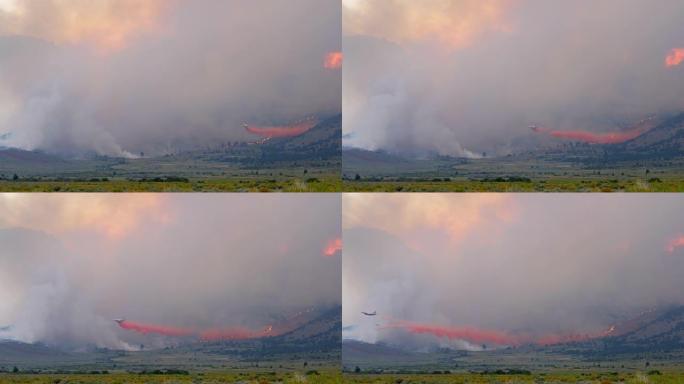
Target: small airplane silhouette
column 119, row 321
column 369, row 313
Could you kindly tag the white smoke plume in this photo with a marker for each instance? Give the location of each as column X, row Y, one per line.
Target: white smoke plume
column 122, row 77
column 209, row 262
column 462, row 77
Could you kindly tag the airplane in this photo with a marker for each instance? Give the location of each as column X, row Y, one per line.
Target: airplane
column 119, row 321
column 369, row 313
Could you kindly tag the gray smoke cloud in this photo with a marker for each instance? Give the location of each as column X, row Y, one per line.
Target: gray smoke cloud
column 188, row 75
column 211, row 262
column 521, row 264
column 458, row 77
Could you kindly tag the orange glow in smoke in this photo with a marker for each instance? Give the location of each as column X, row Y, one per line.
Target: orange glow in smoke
column 333, row 60
column 107, row 25
column 674, row 57
column 113, row 216
column 333, row 247
column 674, row 244
column 451, row 24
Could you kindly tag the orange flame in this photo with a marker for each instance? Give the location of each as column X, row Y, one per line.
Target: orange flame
column 674, row 57
column 283, row 131
column 333, row 247
column 479, row 335
column 154, row 329
column 333, row 60
column 217, row 334
column 235, row 333
column 591, row 137
column 470, row 334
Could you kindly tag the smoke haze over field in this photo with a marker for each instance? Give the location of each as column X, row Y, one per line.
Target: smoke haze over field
column 119, row 77
column 466, row 269
column 459, row 77
column 213, row 264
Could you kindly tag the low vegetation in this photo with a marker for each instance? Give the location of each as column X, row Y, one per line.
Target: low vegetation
column 517, row 377
column 309, row 184
column 516, row 185
column 325, row 377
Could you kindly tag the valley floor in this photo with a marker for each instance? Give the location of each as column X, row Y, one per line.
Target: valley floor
column 509, row 185
column 508, row 174
column 325, row 183
column 654, row 377
column 323, row 377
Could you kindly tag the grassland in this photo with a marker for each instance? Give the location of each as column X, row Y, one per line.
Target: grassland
column 306, row 163
column 263, row 377
column 177, row 175
column 654, row 377
column 512, row 185
column 309, row 184
column 363, row 172
column 578, row 363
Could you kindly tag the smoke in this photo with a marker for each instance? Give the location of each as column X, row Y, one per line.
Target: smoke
column 520, row 269
column 459, row 77
column 95, row 213
column 41, row 303
column 215, row 266
column 675, row 244
column 106, row 25
column 233, row 334
column 446, row 23
column 117, row 78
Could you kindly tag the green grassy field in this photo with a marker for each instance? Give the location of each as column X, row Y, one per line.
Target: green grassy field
column 241, row 169
column 311, row 184
column 654, row 377
column 508, row 174
column 548, row 185
column 323, row 377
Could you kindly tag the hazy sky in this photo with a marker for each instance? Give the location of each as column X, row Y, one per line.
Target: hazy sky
column 459, row 77
column 118, row 77
column 521, row 267
column 69, row 264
